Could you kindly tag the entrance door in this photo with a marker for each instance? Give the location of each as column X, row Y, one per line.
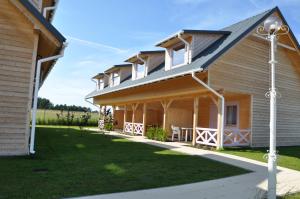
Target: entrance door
column 213, row 117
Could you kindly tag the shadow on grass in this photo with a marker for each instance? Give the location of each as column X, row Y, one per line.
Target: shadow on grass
column 70, row 163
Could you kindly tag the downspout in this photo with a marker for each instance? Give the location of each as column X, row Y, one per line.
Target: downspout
column 222, row 110
column 145, row 62
column 46, row 9
column 188, row 47
column 36, row 90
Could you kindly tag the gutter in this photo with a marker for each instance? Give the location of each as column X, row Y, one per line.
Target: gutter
column 36, row 90
column 223, row 107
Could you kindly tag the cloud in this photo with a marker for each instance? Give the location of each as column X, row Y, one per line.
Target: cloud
column 95, row 44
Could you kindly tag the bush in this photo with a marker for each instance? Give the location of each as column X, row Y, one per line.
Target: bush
column 108, row 126
column 157, row 134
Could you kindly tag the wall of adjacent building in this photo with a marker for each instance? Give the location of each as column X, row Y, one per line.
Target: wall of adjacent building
column 17, row 55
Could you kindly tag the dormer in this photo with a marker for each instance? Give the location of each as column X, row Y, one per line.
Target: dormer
column 45, row 7
column 183, row 47
column 144, row 62
column 118, row 73
column 101, row 81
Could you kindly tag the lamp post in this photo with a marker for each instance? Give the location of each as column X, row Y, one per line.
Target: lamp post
column 272, row 28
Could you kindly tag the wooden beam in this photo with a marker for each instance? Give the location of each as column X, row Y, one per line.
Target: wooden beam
column 165, row 104
column 219, row 122
column 195, row 119
column 144, row 118
column 134, row 107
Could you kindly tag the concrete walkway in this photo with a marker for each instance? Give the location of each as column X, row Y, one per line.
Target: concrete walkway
column 252, row 185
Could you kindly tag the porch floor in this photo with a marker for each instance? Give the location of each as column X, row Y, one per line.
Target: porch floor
column 250, row 185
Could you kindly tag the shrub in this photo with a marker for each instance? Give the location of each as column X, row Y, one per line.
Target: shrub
column 157, row 134
column 108, row 126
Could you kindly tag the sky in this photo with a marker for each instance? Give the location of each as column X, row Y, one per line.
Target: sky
column 101, row 33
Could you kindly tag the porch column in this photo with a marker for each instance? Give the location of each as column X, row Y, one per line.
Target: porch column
column 220, row 124
column 113, row 115
column 165, row 104
column 134, row 107
column 195, row 118
column 125, row 118
column 144, row 118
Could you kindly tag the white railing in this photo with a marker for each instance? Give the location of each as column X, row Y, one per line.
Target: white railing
column 206, row 136
column 237, row 137
column 101, row 124
column 37, row 4
column 128, row 127
column 136, row 128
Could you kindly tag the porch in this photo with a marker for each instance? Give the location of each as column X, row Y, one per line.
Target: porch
column 198, row 118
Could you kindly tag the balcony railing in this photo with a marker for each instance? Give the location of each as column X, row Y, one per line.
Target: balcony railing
column 206, row 136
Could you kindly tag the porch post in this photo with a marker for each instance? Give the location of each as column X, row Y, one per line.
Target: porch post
column 195, row 118
column 113, row 115
column 220, row 125
column 125, row 118
column 165, row 104
column 144, row 118
column 134, row 107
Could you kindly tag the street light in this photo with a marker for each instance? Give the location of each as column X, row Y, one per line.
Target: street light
column 272, row 28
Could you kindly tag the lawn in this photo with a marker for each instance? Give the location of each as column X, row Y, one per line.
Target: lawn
column 289, row 157
column 69, row 164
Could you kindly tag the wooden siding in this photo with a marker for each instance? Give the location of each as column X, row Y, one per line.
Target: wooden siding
column 124, row 73
column 245, row 69
column 16, row 57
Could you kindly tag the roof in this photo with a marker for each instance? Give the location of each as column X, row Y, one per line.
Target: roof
column 149, row 52
column 43, row 21
column 117, row 66
column 185, row 31
column 202, row 60
column 98, row 76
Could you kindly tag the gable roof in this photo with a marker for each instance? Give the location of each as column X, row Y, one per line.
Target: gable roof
column 201, row 61
column 185, row 31
column 149, row 52
column 43, row 21
column 117, row 66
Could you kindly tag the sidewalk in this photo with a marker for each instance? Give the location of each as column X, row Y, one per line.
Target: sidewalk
column 246, row 186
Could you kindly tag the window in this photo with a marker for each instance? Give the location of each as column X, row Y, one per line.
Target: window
column 140, row 71
column 178, row 55
column 232, row 115
column 115, row 79
column 101, row 84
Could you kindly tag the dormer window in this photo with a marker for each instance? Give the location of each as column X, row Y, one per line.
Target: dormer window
column 178, row 55
column 140, row 70
column 101, row 84
column 115, row 79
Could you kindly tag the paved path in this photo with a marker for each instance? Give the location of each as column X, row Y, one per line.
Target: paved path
column 251, row 185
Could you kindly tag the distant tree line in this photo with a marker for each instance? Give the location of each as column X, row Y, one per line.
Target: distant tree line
column 44, row 103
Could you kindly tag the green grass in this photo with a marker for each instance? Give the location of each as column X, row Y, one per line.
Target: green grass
column 51, row 114
column 67, row 164
column 289, row 157
column 292, row 196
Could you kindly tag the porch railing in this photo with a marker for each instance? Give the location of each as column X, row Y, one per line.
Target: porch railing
column 101, row 124
column 232, row 136
column 206, row 136
column 237, row 137
column 136, row 128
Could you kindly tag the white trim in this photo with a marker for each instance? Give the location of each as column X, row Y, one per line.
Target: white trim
column 251, row 119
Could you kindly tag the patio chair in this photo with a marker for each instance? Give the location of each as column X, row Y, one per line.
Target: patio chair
column 175, row 131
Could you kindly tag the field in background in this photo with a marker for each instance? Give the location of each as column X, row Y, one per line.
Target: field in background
column 49, row 117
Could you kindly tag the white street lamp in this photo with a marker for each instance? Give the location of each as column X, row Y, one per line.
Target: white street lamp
column 272, row 28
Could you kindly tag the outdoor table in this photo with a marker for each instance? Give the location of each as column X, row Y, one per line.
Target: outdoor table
column 186, row 131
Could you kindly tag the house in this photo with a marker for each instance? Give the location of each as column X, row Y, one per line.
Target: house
column 212, row 84
column 29, row 48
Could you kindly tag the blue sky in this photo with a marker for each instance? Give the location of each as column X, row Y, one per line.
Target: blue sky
column 103, row 33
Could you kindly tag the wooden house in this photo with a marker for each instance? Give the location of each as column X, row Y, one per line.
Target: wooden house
column 212, row 84
column 26, row 36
